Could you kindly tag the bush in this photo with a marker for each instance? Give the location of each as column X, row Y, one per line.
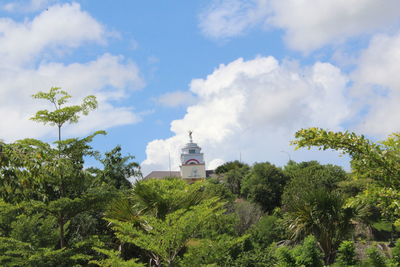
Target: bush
column 346, row 256
column 396, row 253
column 267, row 230
column 254, row 258
column 308, row 254
column 284, row 257
column 375, row 258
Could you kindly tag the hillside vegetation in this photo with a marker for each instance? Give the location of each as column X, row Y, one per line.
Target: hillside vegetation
column 56, row 212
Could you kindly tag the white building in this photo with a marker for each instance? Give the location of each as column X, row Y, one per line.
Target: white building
column 192, row 161
column 192, row 167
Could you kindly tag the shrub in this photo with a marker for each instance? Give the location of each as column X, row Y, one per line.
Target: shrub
column 346, row 254
column 375, row 258
column 309, row 254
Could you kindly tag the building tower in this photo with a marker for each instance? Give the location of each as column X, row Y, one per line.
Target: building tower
column 192, row 160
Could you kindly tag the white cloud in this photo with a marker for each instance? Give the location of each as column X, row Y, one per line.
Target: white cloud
column 108, row 77
column 176, row 99
column 60, row 27
column 377, row 82
column 312, row 24
column 308, row 25
column 379, row 63
column 253, row 108
column 26, row 6
column 23, row 72
column 228, row 18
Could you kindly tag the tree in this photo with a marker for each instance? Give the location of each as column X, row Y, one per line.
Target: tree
column 173, row 221
column 165, row 238
column 50, row 205
column 58, row 117
column 264, row 185
column 310, row 176
column 117, row 169
column 62, row 115
column 319, row 212
column 230, row 165
column 376, row 161
column 161, row 197
column 232, row 174
column 312, row 173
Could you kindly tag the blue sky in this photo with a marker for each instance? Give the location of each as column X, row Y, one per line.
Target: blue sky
column 243, row 75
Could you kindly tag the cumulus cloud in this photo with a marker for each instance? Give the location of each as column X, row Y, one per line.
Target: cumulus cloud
column 108, row 77
column 176, row 99
column 377, row 82
column 26, row 6
column 23, row 72
column 253, row 108
column 308, row 25
column 60, row 27
column 312, row 24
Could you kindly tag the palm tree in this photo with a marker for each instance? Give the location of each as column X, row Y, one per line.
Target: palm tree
column 161, row 216
column 320, row 212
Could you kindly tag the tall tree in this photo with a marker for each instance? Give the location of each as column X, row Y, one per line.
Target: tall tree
column 62, row 114
column 59, row 116
column 232, row 174
column 264, row 185
column 117, row 169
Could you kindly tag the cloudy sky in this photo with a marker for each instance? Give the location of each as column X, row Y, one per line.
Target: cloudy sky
column 244, row 75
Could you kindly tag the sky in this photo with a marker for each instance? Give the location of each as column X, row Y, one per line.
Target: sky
column 243, row 75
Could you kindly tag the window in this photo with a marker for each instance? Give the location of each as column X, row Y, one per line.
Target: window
column 192, row 151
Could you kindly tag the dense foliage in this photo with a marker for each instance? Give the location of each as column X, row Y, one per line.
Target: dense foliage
column 56, row 212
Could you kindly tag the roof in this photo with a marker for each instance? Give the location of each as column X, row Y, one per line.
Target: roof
column 163, row 174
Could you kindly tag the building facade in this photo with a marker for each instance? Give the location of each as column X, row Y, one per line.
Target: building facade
column 192, row 168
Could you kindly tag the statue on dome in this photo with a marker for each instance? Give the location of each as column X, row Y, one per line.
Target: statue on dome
column 190, row 136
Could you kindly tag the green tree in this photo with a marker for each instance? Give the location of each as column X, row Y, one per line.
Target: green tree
column 161, row 197
column 264, row 185
column 48, row 197
column 230, row 165
column 232, row 174
column 173, row 221
column 165, row 238
column 62, row 114
column 58, row 117
column 376, row 161
column 312, row 173
column 320, row 212
column 311, row 176
column 117, row 169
